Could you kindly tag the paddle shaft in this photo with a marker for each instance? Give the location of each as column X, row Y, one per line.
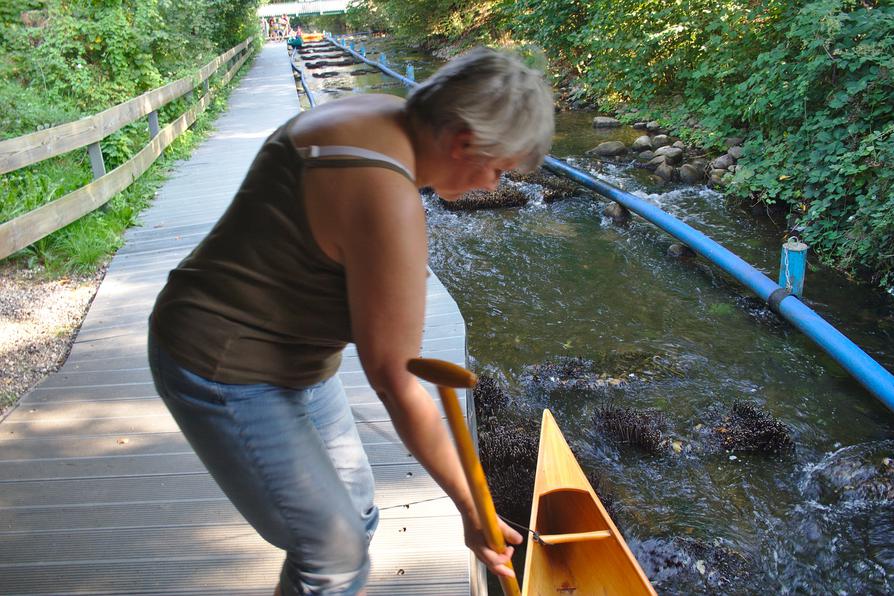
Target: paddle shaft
column 484, row 505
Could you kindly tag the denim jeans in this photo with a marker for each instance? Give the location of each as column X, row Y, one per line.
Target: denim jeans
column 291, row 462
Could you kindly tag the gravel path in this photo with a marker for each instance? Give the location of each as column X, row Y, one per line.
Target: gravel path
column 39, row 318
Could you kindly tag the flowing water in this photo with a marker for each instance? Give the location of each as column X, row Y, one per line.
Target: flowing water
column 557, row 280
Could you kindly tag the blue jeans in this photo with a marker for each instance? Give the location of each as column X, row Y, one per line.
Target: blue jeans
column 291, row 462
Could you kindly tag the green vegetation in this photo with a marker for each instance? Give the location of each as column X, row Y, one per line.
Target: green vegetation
column 806, row 83
column 61, row 60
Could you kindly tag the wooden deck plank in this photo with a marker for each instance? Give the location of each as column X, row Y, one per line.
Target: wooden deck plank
column 99, row 491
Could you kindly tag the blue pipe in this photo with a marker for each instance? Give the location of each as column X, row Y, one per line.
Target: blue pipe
column 872, row 375
column 310, row 96
column 867, row 371
column 379, row 65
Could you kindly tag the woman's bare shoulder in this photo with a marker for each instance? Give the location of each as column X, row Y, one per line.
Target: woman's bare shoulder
column 368, row 121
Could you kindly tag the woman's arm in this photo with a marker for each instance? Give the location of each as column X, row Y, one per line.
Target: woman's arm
column 384, row 251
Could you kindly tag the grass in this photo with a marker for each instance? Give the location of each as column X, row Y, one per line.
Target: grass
column 87, row 244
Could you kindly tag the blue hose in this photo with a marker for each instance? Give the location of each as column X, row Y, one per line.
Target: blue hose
column 872, row 375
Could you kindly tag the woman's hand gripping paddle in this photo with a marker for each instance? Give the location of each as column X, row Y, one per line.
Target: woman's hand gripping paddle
column 446, row 376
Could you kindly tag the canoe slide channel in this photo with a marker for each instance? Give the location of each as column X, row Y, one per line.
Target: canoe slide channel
column 733, row 453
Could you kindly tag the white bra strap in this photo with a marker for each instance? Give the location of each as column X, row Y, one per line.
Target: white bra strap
column 345, row 150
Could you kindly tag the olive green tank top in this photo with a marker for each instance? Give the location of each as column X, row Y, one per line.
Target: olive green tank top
column 258, row 301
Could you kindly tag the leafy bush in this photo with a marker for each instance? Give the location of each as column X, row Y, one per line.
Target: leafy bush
column 64, row 59
column 807, row 83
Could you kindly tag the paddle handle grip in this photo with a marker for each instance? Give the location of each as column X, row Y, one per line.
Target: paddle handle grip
column 484, row 504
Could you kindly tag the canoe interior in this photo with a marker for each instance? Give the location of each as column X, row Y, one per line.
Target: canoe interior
column 594, row 561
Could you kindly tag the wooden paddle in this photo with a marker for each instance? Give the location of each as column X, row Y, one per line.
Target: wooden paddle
column 446, row 376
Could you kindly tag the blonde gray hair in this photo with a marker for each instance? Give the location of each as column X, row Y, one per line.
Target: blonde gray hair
column 507, row 106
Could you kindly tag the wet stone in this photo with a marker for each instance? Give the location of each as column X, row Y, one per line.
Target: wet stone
column 690, row 174
column 856, row 476
column 605, row 122
column 617, row 213
column 642, row 143
column 660, row 141
column 680, row 251
column 675, row 564
column 666, row 172
column 609, row 149
column 611, row 369
column 673, row 155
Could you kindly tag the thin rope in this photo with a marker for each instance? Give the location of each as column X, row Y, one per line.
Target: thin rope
column 534, row 533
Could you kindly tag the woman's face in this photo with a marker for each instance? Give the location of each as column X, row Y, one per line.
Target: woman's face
column 467, row 171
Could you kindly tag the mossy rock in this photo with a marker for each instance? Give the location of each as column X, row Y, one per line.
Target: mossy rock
column 505, row 196
column 644, row 429
column 555, row 188
column 749, row 429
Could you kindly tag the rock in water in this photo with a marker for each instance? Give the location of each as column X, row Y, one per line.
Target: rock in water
column 690, row 174
column 504, row 196
column 672, row 155
column 605, row 122
column 618, row 213
column 609, row 149
column 642, row 143
column 666, row 171
column 680, row 251
column 660, row 141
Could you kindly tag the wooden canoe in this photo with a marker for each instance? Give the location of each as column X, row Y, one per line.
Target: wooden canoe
column 585, row 555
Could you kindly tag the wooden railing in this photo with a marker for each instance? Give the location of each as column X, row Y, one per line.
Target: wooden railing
column 88, row 132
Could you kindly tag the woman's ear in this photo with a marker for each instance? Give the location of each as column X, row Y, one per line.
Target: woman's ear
column 461, row 144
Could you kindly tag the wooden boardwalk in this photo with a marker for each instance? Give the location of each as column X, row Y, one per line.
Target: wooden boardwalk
column 99, row 491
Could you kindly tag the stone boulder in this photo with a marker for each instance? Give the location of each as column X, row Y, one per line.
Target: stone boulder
column 646, row 155
column 666, row 171
column 723, row 162
column 679, row 145
column 672, row 155
column 716, row 177
column 609, row 149
column 680, row 251
column 653, row 126
column 605, row 122
column 691, row 174
column 736, row 152
column 733, row 141
column 656, row 161
column 660, row 141
column 642, row 143
column 639, row 125
column 617, row 213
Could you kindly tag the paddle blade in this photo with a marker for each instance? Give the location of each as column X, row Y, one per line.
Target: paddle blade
column 441, row 372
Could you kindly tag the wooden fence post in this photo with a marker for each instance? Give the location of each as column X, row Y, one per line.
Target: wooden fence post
column 153, row 124
column 96, row 162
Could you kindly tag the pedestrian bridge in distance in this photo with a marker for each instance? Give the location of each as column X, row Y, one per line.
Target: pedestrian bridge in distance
column 303, row 8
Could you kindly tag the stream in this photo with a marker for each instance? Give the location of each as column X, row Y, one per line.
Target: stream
column 678, row 338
